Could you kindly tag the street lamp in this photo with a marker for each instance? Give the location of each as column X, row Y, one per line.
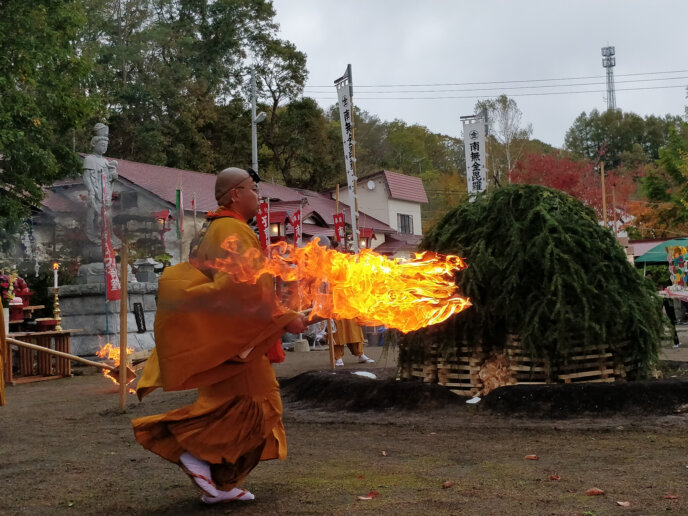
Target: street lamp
column 255, row 120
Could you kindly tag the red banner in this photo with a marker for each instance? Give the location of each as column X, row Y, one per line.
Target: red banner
column 263, row 225
column 113, row 287
column 295, row 220
column 339, row 230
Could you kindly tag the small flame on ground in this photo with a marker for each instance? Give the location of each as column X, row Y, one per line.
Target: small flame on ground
column 111, row 352
column 369, row 287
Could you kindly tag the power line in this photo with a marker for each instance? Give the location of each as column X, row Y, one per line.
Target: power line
column 503, row 82
column 511, row 87
column 334, row 97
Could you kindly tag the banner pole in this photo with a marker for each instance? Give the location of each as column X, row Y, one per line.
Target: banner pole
column 345, row 90
column 102, row 239
column 353, row 154
column 330, row 343
column 123, row 308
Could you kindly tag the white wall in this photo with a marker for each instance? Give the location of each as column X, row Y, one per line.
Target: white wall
column 372, row 202
column 377, row 204
column 396, row 206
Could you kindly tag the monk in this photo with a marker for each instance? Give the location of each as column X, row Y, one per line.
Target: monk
column 348, row 333
column 212, row 334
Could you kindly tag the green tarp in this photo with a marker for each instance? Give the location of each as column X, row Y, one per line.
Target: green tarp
column 658, row 255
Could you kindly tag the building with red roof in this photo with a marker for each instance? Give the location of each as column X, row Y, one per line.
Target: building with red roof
column 389, row 211
column 394, row 199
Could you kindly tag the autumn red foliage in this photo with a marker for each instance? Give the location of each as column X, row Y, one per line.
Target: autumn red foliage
column 578, row 179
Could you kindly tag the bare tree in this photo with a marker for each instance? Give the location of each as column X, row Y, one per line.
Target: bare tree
column 508, row 135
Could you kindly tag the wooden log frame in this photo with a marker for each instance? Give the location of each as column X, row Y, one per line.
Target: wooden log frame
column 460, row 371
column 584, row 364
column 525, row 369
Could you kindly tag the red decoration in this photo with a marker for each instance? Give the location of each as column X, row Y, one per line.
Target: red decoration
column 263, row 227
column 112, row 283
column 339, row 230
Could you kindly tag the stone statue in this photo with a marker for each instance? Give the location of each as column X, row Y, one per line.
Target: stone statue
column 99, row 175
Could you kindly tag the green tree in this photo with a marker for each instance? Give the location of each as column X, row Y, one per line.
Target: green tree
column 168, row 69
column 303, row 146
column 371, row 145
column 42, row 101
column 229, row 135
column 540, row 266
column 665, row 185
column 629, row 138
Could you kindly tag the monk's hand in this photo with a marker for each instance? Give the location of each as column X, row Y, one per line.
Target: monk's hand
column 298, row 325
column 316, row 319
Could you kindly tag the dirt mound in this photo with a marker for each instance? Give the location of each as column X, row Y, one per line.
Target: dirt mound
column 565, row 400
column 346, row 391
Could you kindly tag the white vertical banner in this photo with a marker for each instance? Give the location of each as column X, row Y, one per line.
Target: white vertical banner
column 344, row 88
column 474, row 145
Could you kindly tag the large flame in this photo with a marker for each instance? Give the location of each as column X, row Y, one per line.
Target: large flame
column 367, row 287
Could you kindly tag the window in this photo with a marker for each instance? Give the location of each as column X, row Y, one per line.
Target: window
column 405, row 224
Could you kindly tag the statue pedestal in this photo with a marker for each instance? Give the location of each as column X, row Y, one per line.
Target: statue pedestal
column 84, row 307
column 91, row 253
column 301, row 345
column 92, row 273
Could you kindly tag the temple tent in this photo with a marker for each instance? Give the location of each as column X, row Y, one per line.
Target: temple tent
column 658, row 255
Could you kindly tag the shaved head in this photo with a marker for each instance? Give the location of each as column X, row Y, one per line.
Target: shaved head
column 236, row 189
column 226, row 180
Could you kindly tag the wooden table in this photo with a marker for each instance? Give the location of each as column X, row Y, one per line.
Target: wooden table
column 27, row 314
column 674, row 294
column 35, row 366
column 29, row 310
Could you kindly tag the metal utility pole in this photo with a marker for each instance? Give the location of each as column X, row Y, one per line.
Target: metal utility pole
column 419, row 161
column 604, row 195
column 609, row 62
column 255, row 120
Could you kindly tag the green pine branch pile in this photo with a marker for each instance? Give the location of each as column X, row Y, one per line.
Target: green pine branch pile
column 541, row 267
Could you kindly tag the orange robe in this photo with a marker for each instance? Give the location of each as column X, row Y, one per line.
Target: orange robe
column 348, row 333
column 204, row 321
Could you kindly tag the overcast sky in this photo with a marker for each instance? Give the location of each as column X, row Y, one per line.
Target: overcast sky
column 448, row 42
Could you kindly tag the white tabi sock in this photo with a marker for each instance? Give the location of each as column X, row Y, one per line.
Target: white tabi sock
column 235, row 494
column 199, row 470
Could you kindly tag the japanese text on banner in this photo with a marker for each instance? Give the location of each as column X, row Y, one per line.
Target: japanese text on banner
column 344, row 92
column 112, row 284
column 295, row 220
column 339, row 230
column 263, row 225
column 474, row 145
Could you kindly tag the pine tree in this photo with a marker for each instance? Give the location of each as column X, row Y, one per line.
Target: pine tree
column 540, row 266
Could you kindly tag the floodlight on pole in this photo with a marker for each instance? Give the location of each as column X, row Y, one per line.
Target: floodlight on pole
column 609, row 62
